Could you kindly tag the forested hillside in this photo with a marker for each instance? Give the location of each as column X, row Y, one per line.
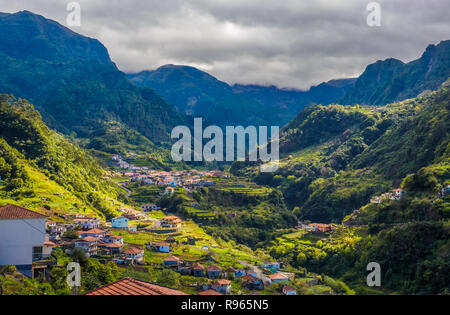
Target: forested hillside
column 335, row 158
column 195, row 92
column 72, row 81
column 391, row 80
column 34, row 158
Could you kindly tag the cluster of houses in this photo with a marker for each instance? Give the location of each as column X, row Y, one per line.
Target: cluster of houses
column 189, row 179
column 118, row 161
column 249, row 278
column 316, row 227
column 395, row 194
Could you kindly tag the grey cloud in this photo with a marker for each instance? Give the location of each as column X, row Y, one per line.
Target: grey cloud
column 286, row 43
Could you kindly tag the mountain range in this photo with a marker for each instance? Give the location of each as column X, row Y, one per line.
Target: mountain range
column 391, row 80
column 72, row 80
column 195, row 92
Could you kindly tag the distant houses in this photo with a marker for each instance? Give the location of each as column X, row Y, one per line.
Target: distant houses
column 88, row 223
column 395, row 194
column 22, row 237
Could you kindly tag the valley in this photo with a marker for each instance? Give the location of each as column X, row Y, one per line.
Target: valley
column 87, row 176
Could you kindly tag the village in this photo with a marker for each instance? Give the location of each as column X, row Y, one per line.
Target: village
column 187, row 179
column 31, row 254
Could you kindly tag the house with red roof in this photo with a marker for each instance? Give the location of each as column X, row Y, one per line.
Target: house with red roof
column 198, row 270
column 214, row 272
column 172, row 261
column 97, row 233
column 278, row 277
column 287, row 290
column 134, row 254
column 222, row 286
column 89, row 245
column 22, row 237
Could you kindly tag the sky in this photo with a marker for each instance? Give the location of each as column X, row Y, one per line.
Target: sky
column 287, row 43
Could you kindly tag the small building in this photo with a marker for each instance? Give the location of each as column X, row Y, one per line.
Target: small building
column 287, row 290
column 110, row 248
column 97, row 233
column 172, row 261
column 198, row 270
column 397, row 193
column 222, row 286
column 252, row 283
column 214, row 271
column 89, row 245
column 230, row 272
column 134, row 254
column 278, row 277
column 88, row 223
column 161, row 247
column 272, row 265
column 111, row 238
column 120, row 223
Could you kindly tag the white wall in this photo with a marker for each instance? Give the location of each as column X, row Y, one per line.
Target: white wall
column 17, row 238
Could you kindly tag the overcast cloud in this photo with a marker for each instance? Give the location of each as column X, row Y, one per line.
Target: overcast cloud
column 288, row 43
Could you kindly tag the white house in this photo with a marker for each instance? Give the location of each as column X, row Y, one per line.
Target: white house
column 120, row 223
column 22, row 234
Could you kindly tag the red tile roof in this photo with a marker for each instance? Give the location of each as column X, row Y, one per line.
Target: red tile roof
column 278, row 276
column 213, row 268
column 222, row 282
column 133, row 250
column 210, row 292
column 11, row 212
column 198, row 266
column 172, row 258
column 129, row 286
column 90, row 239
column 93, row 231
column 111, row 245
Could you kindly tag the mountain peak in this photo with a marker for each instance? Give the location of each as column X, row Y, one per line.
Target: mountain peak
column 27, row 35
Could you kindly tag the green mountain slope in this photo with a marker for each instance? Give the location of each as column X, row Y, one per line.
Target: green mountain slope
column 195, row 92
column 335, row 158
column 36, row 163
column 72, row 81
column 392, row 80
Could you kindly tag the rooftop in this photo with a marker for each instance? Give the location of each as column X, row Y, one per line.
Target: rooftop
column 129, row 286
column 11, row 212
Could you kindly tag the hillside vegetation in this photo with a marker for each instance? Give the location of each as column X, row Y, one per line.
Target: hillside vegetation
column 33, row 157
